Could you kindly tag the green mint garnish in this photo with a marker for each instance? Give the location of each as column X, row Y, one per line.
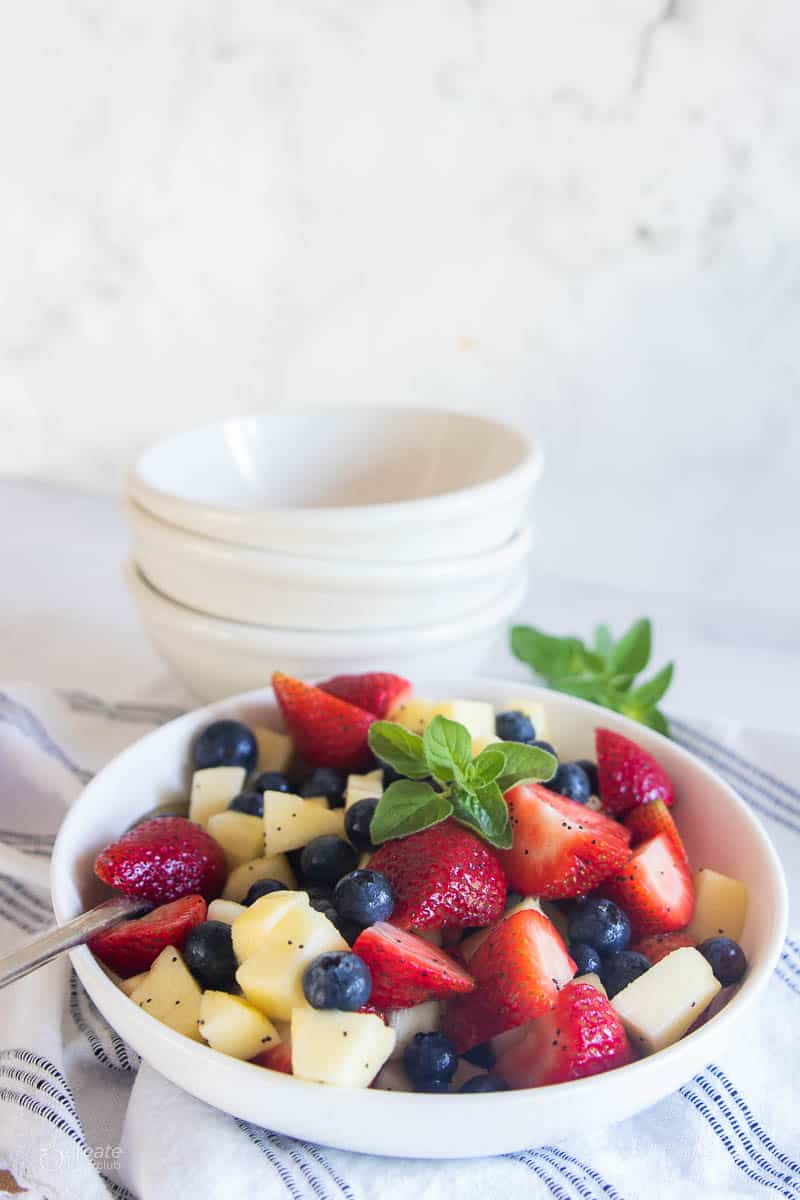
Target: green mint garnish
column 604, row 673
column 471, row 789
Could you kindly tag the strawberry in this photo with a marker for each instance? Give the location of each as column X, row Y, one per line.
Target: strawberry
column 377, row 692
column 518, row 971
column 658, row 945
column 628, row 775
column 443, row 875
column 327, row 731
column 647, row 820
column 582, row 1035
column 654, row 888
column 277, row 1058
column 134, row 946
column 406, row 969
column 561, row 848
column 163, row 860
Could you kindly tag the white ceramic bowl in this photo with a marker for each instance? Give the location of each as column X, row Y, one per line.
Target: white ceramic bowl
column 216, row 658
column 719, row 830
column 293, row 591
column 365, row 484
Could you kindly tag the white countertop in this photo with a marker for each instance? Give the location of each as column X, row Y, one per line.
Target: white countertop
column 67, row 621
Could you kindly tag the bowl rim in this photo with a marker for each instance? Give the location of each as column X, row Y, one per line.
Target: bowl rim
column 157, row 498
column 395, row 1105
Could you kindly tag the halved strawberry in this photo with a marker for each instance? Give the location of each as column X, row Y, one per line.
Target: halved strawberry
column 328, row 732
column 443, row 875
column 628, row 775
column 655, row 888
column 658, row 945
column 647, row 820
column 518, row 971
column 582, row 1035
column 162, row 860
column 377, row 692
column 406, row 969
column 134, row 946
column 560, row 848
column 277, row 1058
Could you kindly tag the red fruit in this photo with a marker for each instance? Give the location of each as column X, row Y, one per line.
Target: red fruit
column 658, row 945
column 628, row 775
column 654, row 888
column 444, row 875
column 328, row 732
column 648, row 820
column 277, row 1058
column 518, row 971
column 377, row 692
column 163, row 860
column 560, row 848
column 582, row 1035
column 406, row 969
column 135, row 945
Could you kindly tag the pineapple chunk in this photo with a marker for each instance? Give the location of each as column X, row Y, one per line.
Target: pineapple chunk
column 533, row 709
column 364, row 787
column 414, row 714
column 240, row 835
column 593, row 981
column 480, row 743
column 225, row 910
column 250, row 930
column 342, row 1048
column 658, row 1007
column 232, row 1026
column 171, row 994
column 291, row 822
column 212, row 791
column 276, row 866
column 272, row 978
column 363, row 862
column 322, row 801
column 475, row 715
column 274, row 750
column 471, row 944
column 407, row 1022
column 129, row 986
column 720, row 907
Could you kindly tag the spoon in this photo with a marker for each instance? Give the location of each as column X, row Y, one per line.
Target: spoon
column 74, row 933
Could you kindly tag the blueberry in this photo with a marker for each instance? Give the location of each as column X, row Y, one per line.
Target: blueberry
column 586, row 958
column 320, row 896
column 514, row 726
column 270, row 781
column 540, row 745
column 481, row 1056
column 337, row 980
column 208, row 953
column 326, row 781
column 591, row 773
column 295, row 857
column 621, row 969
column 357, row 821
column 251, row 803
column 390, row 775
column 725, row 957
column 364, row 897
column 571, row 781
column 599, row 923
column 430, row 1061
column 327, row 858
column 483, row 1083
column 225, row 744
column 263, row 887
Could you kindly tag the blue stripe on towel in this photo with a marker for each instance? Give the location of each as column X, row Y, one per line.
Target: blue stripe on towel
column 737, row 758
column 595, row 1176
column 290, row 1147
column 49, row 1070
column 95, row 1029
column 256, row 1137
column 528, row 1159
column 320, row 1158
column 128, row 712
column 751, row 1121
column 28, row 724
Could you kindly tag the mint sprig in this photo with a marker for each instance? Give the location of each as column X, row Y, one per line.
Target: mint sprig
column 604, row 673
column 470, row 788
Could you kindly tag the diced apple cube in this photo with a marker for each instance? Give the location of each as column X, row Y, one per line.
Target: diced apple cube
column 658, row 1007
column 414, row 714
column 471, row 943
column 225, row 910
column 232, row 1026
column 274, row 750
column 251, row 929
column 240, row 835
column 477, row 716
column 720, row 907
column 322, row 801
column 593, row 981
column 272, row 978
column 341, row 1048
column 533, row 709
column 479, row 744
column 408, row 1022
column 171, row 994
column 363, row 787
column 275, row 866
column 212, row 791
column 291, row 822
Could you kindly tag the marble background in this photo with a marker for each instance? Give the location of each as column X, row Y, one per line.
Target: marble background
column 584, row 217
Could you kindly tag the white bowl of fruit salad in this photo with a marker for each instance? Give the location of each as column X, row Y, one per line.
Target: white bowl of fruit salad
column 409, row 927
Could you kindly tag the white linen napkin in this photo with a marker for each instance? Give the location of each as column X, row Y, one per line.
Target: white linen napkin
column 81, row 1118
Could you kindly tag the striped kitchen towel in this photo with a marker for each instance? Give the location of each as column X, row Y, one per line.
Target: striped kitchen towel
column 81, row 1118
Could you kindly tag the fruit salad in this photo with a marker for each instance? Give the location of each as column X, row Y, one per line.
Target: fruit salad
column 414, row 895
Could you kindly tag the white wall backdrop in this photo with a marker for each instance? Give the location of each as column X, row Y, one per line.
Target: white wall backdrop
column 584, row 217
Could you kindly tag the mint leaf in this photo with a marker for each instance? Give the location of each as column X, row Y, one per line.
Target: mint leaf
column 631, row 653
column 399, row 747
column 486, row 767
column 550, row 656
column 649, row 693
column 406, row 807
column 603, row 640
column 656, row 720
column 585, row 687
column 521, row 762
column 485, row 813
column 448, row 748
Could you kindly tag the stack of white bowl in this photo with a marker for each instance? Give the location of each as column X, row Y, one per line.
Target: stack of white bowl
column 329, row 540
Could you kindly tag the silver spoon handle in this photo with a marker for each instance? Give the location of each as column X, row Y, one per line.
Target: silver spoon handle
column 73, row 933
